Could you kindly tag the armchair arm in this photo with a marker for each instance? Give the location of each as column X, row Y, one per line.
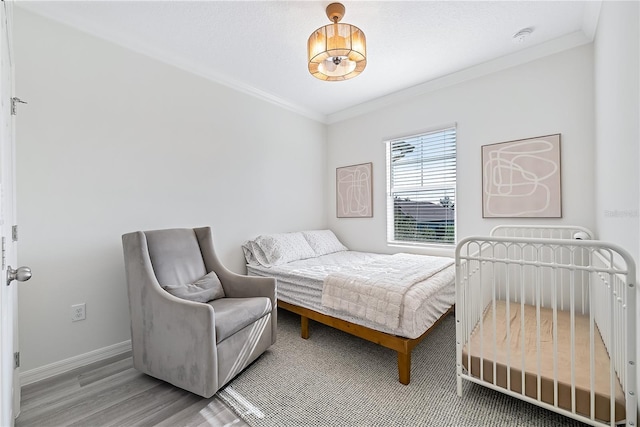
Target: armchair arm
column 172, row 339
column 240, row 286
column 237, row 285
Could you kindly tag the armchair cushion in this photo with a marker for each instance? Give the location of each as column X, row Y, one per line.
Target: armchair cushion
column 204, row 289
column 233, row 314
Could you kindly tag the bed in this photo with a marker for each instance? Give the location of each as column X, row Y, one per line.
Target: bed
column 547, row 315
column 308, row 262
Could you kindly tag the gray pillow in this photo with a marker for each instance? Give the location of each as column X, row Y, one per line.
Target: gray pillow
column 204, row 289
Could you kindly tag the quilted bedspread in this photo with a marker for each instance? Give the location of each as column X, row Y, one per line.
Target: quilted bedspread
column 375, row 291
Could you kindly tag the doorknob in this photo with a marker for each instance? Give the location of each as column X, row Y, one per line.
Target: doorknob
column 21, row 274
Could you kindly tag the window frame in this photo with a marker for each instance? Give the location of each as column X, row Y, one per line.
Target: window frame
column 390, row 205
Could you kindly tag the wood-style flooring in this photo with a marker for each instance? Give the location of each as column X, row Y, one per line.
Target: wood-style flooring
column 112, row 393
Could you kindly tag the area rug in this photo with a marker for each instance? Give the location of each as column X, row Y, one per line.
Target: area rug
column 335, row 379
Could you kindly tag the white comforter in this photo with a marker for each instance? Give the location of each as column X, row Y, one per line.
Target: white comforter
column 376, row 291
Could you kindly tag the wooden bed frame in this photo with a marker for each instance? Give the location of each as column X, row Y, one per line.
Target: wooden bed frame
column 402, row 345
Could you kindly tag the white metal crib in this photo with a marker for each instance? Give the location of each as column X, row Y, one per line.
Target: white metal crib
column 548, row 316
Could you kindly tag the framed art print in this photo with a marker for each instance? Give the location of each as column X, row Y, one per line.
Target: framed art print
column 522, row 178
column 354, row 191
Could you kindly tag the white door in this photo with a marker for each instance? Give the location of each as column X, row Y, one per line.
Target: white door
column 10, row 389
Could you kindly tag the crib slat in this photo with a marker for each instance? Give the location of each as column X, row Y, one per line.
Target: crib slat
column 538, row 363
column 494, row 326
column 522, row 350
column 592, row 366
column 555, row 339
column 507, row 320
column 482, row 328
column 612, row 373
column 573, row 340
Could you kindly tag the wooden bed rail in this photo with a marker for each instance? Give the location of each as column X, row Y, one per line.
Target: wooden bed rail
column 403, row 346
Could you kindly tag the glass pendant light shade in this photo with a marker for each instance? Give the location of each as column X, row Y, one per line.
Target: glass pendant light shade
column 336, row 51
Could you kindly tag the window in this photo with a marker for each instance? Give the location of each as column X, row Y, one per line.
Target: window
column 421, row 182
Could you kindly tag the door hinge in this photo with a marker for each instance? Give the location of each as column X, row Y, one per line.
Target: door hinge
column 14, row 233
column 16, row 360
column 14, row 103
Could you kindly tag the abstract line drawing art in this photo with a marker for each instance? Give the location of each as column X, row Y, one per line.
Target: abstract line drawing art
column 354, row 192
column 522, row 178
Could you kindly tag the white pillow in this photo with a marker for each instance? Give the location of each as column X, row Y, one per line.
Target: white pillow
column 254, row 254
column 248, row 248
column 323, row 242
column 276, row 249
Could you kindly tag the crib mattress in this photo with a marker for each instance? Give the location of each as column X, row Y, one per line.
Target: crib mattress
column 300, row 283
column 527, row 335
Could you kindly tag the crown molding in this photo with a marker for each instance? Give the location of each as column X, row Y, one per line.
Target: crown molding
column 541, row 50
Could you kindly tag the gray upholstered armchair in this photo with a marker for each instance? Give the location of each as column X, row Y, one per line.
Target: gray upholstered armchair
column 197, row 346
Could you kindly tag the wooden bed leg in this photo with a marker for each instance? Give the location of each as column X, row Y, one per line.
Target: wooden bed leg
column 404, row 367
column 304, row 327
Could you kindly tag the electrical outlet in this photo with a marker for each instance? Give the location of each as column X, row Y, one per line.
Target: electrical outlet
column 78, row 312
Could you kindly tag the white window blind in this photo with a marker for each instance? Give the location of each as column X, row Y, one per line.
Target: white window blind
column 421, row 179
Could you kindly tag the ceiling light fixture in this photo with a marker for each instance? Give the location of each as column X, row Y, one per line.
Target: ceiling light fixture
column 336, row 51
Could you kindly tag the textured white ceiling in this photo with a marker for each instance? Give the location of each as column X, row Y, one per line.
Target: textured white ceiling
column 260, row 46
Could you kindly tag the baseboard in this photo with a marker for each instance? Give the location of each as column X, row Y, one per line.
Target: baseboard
column 66, row 365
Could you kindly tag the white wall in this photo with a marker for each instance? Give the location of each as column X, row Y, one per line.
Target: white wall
column 546, row 96
column 617, row 100
column 112, row 141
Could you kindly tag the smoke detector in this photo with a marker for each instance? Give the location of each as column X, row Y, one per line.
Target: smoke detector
column 522, row 35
